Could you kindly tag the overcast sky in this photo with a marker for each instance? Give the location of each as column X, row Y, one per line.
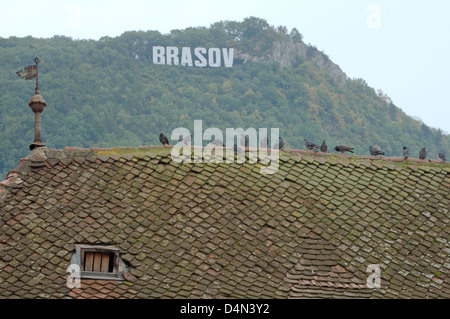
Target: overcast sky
column 399, row 46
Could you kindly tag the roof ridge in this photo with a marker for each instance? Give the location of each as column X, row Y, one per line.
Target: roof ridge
column 291, row 151
column 44, row 156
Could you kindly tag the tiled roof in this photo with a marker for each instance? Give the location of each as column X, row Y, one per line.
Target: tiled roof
column 224, row 230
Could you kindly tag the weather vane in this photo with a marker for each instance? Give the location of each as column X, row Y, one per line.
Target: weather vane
column 37, row 102
column 30, row 72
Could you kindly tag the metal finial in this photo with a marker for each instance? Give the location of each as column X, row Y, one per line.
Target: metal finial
column 36, row 60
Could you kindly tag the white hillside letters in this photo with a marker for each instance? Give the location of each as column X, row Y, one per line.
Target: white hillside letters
column 199, row 57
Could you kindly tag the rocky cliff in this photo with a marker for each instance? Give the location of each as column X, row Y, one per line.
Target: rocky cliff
column 287, row 53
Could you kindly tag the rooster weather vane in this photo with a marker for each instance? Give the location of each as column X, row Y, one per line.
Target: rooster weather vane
column 30, row 72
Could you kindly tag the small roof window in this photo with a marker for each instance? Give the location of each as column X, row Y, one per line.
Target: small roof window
column 99, row 262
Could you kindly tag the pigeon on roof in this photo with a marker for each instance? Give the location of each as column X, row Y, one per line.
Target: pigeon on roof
column 343, row 148
column 264, row 142
column 442, row 155
column 238, row 150
column 244, row 140
column 280, row 144
column 217, row 142
column 375, row 152
column 163, row 139
column 323, row 147
column 310, row 145
column 423, row 153
column 186, row 140
column 405, row 153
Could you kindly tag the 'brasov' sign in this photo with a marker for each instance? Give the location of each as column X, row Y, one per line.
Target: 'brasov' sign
column 200, row 57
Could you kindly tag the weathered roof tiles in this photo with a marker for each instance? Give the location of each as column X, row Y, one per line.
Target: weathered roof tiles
column 224, row 230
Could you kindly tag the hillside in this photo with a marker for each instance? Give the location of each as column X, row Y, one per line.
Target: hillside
column 110, row 93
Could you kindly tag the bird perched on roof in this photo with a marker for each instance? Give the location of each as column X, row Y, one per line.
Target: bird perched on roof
column 423, row 153
column 217, row 142
column 343, row 148
column 323, row 147
column 186, row 140
column 264, row 142
column 244, row 140
column 310, row 145
column 238, row 150
column 405, row 153
column 279, row 145
column 375, row 152
column 442, row 155
column 163, row 139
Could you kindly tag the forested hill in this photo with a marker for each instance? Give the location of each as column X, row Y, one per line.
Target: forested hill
column 110, row 93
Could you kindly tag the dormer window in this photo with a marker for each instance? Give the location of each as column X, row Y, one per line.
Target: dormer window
column 99, row 262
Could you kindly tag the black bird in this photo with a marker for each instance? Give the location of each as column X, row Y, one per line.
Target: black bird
column 238, row 150
column 310, row 145
column 323, row 147
column 343, row 148
column 186, row 140
column 265, row 142
column 405, row 153
column 217, row 142
column 423, row 153
column 244, row 140
column 375, row 152
column 163, row 139
column 442, row 155
column 280, row 144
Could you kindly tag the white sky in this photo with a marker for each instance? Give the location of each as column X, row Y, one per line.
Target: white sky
column 399, row 46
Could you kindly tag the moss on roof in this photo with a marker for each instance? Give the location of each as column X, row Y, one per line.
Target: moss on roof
column 224, row 230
